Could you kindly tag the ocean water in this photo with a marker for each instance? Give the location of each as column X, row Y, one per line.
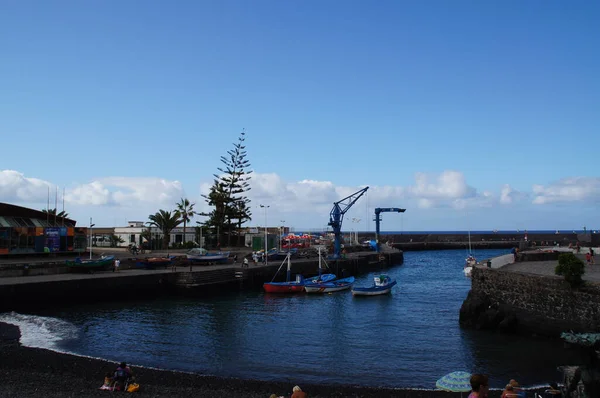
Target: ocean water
column 409, row 338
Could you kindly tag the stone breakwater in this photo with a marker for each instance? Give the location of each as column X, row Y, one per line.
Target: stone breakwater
column 530, row 303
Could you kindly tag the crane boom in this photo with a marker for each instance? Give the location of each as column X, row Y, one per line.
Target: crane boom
column 377, row 220
column 337, row 216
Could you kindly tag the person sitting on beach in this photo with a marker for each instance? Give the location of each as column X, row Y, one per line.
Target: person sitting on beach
column 123, row 375
column 108, row 381
column 517, row 391
column 479, row 386
column 508, row 391
column 298, row 393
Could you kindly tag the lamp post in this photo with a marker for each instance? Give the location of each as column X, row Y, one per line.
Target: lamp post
column 266, row 235
column 91, row 226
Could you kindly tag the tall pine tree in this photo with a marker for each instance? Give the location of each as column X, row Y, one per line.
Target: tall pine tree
column 227, row 195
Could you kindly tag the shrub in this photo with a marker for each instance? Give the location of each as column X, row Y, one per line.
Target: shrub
column 571, row 268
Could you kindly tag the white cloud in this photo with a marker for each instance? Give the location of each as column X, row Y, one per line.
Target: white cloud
column 572, row 189
column 126, row 191
column 509, row 195
column 14, row 186
column 299, row 202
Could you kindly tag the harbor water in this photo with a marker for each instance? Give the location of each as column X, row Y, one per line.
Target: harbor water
column 409, row 338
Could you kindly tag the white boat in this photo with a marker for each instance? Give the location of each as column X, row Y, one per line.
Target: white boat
column 200, row 255
column 470, row 261
column 383, row 284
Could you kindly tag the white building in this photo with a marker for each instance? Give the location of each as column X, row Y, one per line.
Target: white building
column 132, row 233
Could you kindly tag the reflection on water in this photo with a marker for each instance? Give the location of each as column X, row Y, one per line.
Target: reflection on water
column 407, row 339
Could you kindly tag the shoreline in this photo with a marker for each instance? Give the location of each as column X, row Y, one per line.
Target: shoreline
column 42, row 372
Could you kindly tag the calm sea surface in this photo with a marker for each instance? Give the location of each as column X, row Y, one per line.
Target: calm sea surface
column 407, row 339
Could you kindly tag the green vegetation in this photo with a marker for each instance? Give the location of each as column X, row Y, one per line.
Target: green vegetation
column 115, row 240
column 52, row 213
column 165, row 221
column 231, row 206
column 571, row 268
column 186, row 213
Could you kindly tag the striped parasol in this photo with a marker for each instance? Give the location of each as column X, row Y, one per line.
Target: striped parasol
column 455, row 382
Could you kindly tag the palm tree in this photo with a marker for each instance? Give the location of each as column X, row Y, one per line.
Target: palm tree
column 186, row 213
column 165, row 221
column 52, row 213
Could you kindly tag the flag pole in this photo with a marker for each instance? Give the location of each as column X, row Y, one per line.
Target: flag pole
column 48, row 208
column 63, row 210
column 55, row 205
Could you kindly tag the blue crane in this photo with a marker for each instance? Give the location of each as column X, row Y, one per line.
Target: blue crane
column 337, row 216
column 377, row 219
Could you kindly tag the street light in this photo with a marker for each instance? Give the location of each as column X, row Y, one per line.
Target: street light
column 266, row 235
column 91, row 226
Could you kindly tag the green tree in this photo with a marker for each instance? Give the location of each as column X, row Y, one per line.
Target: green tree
column 166, row 221
column 186, row 213
column 216, row 198
column 52, row 213
column 227, row 193
column 571, row 268
column 115, row 240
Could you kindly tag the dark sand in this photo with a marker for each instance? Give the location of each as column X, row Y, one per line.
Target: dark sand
column 34, row 372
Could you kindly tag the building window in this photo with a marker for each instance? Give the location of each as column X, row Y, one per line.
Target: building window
column 132, row 238
column 178, row 238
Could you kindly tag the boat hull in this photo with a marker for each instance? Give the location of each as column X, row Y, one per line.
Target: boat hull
column 329, row 287
column 283, row 287
column 295, row 286
column 373, row 290
column 209, row 258
column 154, row 262
column 90, row 265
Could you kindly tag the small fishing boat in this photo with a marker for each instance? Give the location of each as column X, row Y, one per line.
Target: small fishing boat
column 295, row 286
column 329, row 287
column 383, row 284
column 154, row 262
column 469, row 264
column 90, row 265
column 200, row 255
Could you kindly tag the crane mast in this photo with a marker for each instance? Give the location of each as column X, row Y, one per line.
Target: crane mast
column 337, row 216
column 377, row 219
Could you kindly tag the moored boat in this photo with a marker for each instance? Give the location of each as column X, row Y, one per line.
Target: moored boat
column 469, row 264
column 200, row 255
column 383, row 284
column 90, row 265
column 154, row 262
column 295, row 286
column 329, row 287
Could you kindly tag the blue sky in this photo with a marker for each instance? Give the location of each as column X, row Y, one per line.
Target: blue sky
column 470, row 114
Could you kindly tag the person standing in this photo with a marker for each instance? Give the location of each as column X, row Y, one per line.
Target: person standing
column 117, row 265
column 591, row 256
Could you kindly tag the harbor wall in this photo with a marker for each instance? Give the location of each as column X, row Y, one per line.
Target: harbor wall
column 37, row 292
column 516, row 302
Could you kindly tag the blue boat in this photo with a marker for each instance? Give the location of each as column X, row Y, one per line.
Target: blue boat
column 328, row 287
column 290, row 286
column 383, row 284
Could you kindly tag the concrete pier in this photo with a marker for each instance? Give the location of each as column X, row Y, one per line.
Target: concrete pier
column 22, row 288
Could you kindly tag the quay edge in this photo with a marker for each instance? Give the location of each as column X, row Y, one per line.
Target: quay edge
column 44, row 291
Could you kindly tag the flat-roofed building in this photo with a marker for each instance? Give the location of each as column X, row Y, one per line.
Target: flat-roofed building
column 24, row 230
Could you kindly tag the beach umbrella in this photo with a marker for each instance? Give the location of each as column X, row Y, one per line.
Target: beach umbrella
column 455, row 382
